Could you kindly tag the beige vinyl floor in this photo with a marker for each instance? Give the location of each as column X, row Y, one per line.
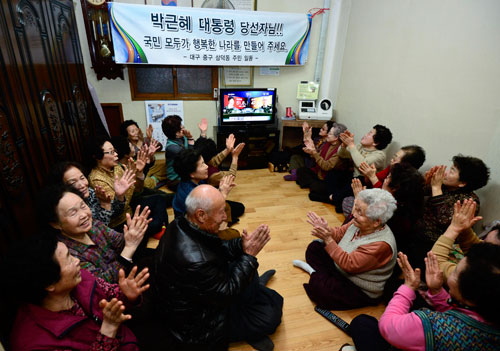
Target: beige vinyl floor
column 283, row 206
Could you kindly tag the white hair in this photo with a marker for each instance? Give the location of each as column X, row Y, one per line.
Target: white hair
column 198, row 202
column 380, row 204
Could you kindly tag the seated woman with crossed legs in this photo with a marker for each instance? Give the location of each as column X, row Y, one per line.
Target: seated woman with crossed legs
column 350, row 264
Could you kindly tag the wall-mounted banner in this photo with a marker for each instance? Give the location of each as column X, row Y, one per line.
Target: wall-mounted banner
column 196, row 36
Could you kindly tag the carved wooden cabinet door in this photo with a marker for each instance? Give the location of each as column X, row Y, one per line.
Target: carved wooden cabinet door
column 45, row 107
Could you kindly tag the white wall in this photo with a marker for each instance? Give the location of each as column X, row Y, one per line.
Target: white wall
column 119, row 90
column 430, row 71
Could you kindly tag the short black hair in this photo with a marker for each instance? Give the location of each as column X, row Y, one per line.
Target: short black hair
column 472, row 171
column 121, row 145
column 171, row 125
column 93, row 151
column 382, row 137
column 407, row 186
column 185, row 163
column 479, row 282
column 125, row 125
column 56, row 173
column 414, row 155
column 46, row 203
column 30, row 267
column 329, row 125
column 207, row 148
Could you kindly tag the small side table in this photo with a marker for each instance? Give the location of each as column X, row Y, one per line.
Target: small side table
column 291, row 131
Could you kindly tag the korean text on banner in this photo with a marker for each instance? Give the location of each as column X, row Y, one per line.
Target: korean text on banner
column 195, row 36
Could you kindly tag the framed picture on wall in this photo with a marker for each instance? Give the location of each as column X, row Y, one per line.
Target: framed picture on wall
column 237, row 76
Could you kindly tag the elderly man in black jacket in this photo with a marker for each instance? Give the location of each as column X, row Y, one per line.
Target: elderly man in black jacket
column 208, row 290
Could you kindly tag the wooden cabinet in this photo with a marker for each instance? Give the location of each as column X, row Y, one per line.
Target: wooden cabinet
column 45, row 108
column 260, row 142
column 291, row 131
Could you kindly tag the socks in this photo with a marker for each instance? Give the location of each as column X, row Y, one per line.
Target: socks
column 303, row 265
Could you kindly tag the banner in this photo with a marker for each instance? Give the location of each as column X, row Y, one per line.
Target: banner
column 194, row 36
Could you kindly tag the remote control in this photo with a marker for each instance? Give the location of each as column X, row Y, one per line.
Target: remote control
column 332, row 317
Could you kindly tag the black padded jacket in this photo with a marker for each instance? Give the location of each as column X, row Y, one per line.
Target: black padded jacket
column 196, row 277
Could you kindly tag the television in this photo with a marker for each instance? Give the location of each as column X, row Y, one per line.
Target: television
column 252, row 106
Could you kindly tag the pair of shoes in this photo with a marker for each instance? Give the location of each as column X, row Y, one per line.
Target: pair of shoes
column 292, row 176
column 264, row 278
column 347, row 347
column 264, row 344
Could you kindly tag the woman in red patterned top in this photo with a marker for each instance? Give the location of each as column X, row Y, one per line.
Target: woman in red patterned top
column 65, row 308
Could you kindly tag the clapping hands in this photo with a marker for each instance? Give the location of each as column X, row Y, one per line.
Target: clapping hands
column 134, row 230
column 320, row 227
column 237, row 150
column 347, row 138
column 357, row 186
column 253, row 243
column 463, row 218
column 226, row 184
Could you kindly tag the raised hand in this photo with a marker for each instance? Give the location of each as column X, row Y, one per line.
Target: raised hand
column 230, row 140
column 112, row 316
column 357, row 186
column 428, row 175
column 463, row 218
column 124, row 183
column 226, row 184
column 237, row 150
column 133, row 285
column 316, row 221
column 369, row 171
column 141, row 161
column 253, row 243
column 134, row 230
column 433, row 274
column 347, row 138
column 412, row 277
column 437, row 181
column 309, row 147
column 187, row 133
column 305, row 127
column 154, row 146
column 103, row 197
column 323, row 234
column 203, row 125
column 307, row 131
column 149, row 132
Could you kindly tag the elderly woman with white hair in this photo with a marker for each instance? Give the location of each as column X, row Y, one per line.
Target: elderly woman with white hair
column 350, row 264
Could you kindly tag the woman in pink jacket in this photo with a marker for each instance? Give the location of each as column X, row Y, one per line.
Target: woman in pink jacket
column 64, row 307
column 465, row 318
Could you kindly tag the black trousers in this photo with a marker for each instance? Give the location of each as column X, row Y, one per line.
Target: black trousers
column 328, row 287
column 338, row 185
column 256, row 312
column 366, row 335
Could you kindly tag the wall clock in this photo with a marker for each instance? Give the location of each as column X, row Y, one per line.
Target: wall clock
column 98, row 28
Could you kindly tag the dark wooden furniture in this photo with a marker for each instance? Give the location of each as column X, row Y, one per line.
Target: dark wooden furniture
column 45, row 109
column 291, row 131
column 260, row 142
column 98, row 29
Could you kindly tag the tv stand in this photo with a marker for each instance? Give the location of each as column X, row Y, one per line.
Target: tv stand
column 260, row 142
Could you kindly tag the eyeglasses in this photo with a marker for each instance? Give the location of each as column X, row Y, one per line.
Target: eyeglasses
column 109, row 152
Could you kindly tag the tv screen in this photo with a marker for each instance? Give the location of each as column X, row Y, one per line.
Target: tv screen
column 247, row 106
